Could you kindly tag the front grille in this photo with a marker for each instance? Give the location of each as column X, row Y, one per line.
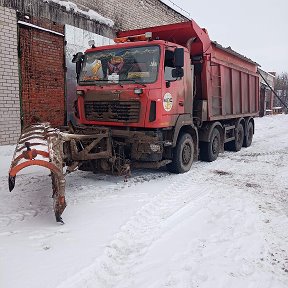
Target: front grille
column 113, row 111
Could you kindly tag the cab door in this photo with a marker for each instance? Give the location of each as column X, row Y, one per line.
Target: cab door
column 173, row 89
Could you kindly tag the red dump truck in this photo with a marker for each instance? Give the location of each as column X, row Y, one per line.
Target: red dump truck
column 159, row 96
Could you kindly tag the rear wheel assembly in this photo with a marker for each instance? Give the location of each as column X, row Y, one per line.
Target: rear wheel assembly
column 249, row 135
column 237, row 143
column 209, row 151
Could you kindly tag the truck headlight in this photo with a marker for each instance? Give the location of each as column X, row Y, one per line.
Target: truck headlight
column 138, row 91
column 80, row 92
column 155, row 147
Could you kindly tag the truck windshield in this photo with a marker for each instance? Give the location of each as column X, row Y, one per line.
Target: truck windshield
column 135, row 65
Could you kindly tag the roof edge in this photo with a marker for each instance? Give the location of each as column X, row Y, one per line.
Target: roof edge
column 234, row 53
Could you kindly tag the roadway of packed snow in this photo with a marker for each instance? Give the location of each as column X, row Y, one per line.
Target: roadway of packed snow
column 223, row 224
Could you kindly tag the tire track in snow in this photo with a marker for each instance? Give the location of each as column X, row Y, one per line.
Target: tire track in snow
column 22, row 215
column 269, row 195
column 39, row 197
column 25, row 202
column 271, row 153
column 135, row 237
column 95, row 189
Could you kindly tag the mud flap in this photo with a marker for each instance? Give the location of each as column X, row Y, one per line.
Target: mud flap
column 41, row 145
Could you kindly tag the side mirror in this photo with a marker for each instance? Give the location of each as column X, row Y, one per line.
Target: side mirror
column 179, row 57
column 177, row 72
column 78, row 59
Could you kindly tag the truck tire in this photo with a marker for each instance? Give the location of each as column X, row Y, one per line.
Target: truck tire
column 182, row 155
column 209, row 151
column 249, row 135
column 236, row 144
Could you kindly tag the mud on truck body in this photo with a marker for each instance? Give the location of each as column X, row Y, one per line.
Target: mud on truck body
column 159, row 96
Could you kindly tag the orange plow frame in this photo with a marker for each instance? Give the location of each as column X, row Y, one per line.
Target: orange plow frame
column 51, row 159
column 49, row 145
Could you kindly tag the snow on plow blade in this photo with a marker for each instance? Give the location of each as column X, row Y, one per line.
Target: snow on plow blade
column 41, row 145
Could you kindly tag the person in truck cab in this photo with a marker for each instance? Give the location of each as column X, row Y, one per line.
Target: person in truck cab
column 115, row 65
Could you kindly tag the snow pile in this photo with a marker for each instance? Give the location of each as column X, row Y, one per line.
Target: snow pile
column 222, row 224
column 93, row 15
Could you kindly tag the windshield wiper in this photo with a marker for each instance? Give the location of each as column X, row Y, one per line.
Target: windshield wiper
column 111, row 82
column 120, row 80
column 134, row 81
column 90, row 82
column 95, row 82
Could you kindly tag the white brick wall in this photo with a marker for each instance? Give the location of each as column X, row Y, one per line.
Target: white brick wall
column 10, row 125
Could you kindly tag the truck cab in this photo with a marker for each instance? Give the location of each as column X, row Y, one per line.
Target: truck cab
column 142, row 91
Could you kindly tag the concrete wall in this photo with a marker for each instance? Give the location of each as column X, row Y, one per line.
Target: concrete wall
column 76, row 41
column 9, row 78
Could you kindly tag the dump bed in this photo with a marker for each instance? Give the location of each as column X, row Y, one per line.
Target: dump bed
column 227, row 83
column 230, row 85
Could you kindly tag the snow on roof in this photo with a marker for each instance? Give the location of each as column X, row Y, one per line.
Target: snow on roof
column 93, row 15
column 268, row 73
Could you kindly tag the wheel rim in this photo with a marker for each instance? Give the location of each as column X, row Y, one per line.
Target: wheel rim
column 186, row 153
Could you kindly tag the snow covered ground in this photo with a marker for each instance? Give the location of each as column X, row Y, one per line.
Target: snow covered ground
column 222, row 224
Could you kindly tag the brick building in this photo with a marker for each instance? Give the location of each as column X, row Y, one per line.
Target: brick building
column 142, row 13
column 33, row 67
column 266, row 95
column 41, row 62
column 9, row 78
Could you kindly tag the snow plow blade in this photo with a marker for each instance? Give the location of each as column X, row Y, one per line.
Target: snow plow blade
column 63, row 152
column 41, row 145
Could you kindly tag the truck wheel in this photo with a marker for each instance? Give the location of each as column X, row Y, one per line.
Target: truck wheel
column 236, row 144
column 209, row 151
column 249, row 136
column 182, row 155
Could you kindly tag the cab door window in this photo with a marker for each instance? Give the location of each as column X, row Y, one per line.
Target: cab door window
column 169, row 65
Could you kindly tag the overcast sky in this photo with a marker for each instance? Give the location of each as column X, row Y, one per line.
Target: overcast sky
column 257, row 29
